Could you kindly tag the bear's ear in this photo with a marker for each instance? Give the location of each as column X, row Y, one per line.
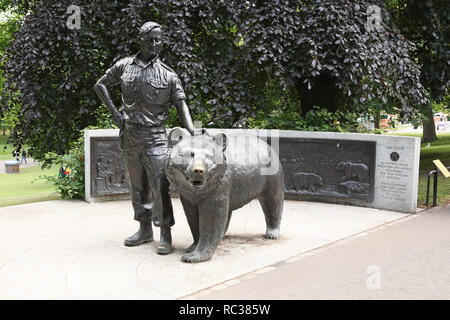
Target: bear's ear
column 205, row 133
column 175, row 135
column 221, row 140
column 201, row 132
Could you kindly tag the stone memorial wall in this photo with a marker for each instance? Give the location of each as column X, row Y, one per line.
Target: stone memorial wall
column 378, row 171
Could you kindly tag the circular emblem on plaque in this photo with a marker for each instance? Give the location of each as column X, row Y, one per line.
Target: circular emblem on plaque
column 395, row 156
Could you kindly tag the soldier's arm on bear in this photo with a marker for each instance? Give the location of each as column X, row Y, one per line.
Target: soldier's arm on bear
column 179, row 100
column 185, row 116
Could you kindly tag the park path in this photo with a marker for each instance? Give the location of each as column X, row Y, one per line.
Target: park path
column 404, row 259
column 30, row 163
column 410, row 129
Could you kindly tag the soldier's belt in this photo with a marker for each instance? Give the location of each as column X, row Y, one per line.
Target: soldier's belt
column 131, row 125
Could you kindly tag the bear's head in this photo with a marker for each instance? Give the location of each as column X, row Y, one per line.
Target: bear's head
column 342, row 165
column 319, row 181
column 195, row 162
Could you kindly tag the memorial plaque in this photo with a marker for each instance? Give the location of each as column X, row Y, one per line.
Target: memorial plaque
column 394, row 173
column 108, row 175
column 328, row 169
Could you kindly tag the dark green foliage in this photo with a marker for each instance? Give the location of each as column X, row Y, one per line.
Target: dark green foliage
column 316, row 119
column 427, row 24
column 282, row 112
column 7, row 29
column 54, row 69
column 71, row 185
column 70, row 182
column 18, row 6
column 225, row 52
column 325, row 44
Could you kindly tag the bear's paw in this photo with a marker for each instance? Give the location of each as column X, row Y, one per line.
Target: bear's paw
column 272, row 234
column 194, row 257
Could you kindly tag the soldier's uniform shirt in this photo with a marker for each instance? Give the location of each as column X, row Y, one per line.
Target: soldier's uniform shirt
column 147, row 90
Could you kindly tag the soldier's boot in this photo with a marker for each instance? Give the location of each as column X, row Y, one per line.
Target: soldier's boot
column 165, row 243
column 144, row 235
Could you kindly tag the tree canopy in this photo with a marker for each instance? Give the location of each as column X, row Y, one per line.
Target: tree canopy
column 225, row 52
column 9, row 24
column 426, row 23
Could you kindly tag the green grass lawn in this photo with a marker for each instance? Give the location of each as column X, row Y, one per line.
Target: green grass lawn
column 5, row 149
column 439, row 149
column 25, row 187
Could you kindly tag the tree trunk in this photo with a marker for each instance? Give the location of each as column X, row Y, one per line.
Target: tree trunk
column 429, row 129
column 376, row 119
column 323, row 93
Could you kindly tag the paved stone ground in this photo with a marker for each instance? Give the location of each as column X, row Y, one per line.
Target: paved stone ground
column 404, row 259
column 30, row 163
column 74, row 250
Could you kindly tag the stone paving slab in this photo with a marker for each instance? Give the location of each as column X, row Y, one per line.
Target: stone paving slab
column 74, row 249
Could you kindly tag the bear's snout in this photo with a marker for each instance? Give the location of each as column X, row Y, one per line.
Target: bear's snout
column 197, row 175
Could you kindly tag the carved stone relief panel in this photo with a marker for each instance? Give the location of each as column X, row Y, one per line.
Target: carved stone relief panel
column 108, row 175
column 324, row 168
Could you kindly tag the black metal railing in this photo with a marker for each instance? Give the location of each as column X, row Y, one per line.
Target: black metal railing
column 435, row 173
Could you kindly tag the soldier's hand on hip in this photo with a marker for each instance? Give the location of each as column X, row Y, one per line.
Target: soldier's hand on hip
column 118, row 120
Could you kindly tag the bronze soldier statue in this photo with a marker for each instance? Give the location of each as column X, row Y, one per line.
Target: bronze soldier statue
column 149, row 87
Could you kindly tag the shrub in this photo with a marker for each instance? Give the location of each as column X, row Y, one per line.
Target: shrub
column 69, row 182
column 317, row 119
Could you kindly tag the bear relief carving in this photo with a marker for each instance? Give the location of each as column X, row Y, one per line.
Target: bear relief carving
column 213, row 179
column 355, row 179
column 353, row 171
column 306, row 181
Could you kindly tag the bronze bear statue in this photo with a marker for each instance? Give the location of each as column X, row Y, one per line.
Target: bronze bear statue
column 214, row 176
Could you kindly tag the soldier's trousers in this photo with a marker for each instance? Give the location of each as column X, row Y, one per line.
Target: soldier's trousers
column 144, row 155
